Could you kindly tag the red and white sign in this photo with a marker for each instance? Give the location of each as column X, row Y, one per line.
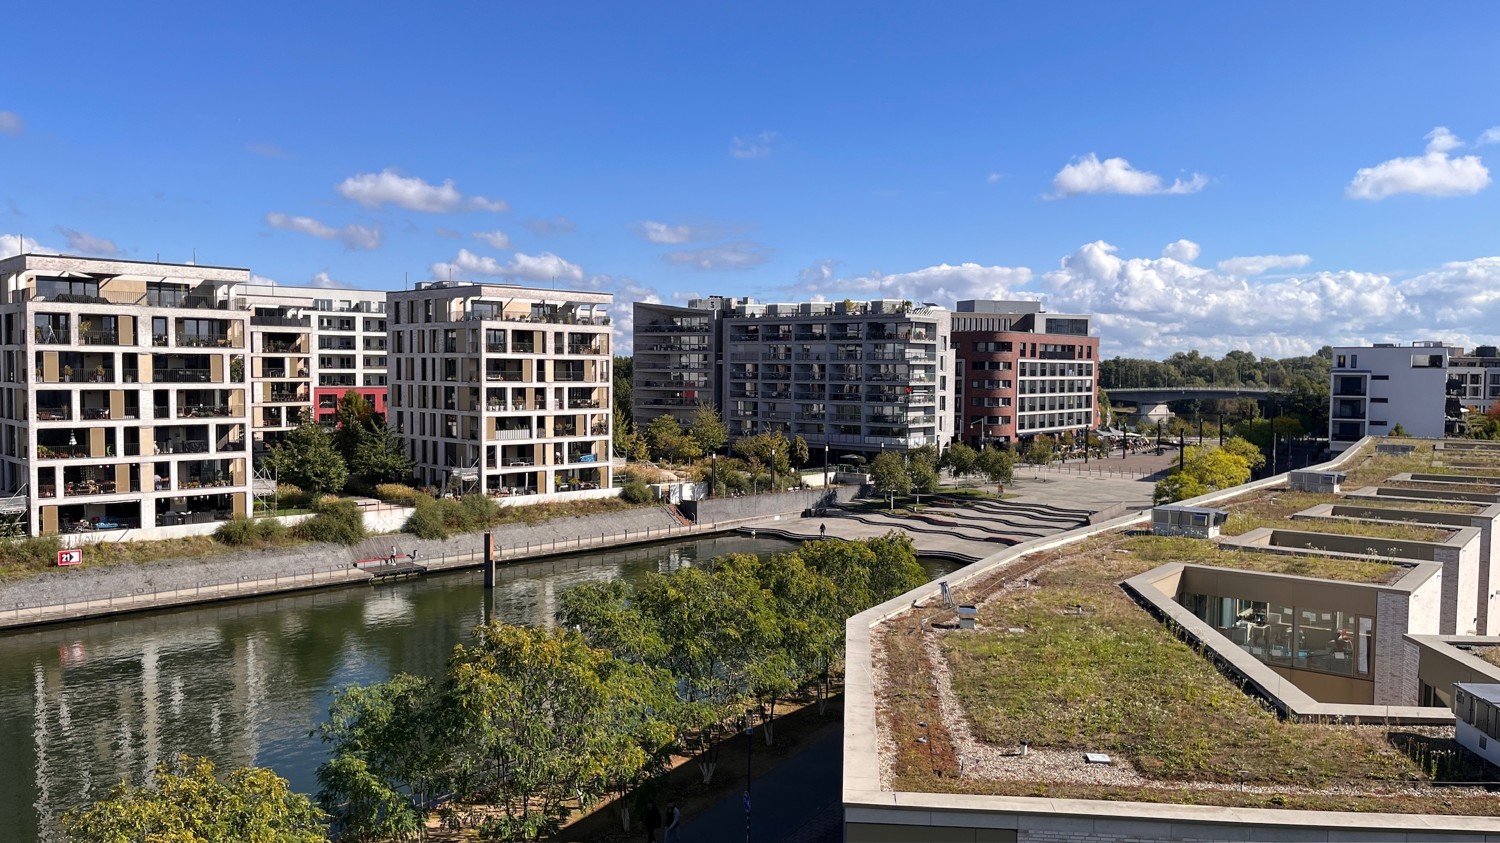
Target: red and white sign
column 70, row 557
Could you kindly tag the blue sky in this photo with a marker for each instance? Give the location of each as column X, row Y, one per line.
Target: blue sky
column 1274, row 177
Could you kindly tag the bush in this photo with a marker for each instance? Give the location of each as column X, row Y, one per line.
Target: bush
column 291, row 497
column 479, row 511
column 636, row 492
column 427, row 521
column 397, row 493
column 34, row 550
column 236, row 532
column 339, row 522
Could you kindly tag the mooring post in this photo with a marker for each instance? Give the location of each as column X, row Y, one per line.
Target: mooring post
column 489, row 560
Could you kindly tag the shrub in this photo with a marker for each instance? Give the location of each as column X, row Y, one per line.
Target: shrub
column 480, row 512
column 338, row 521
column 33, row 550
column 636, row 492
column 397, row 493
column 427, row 521
column 270, row 530
column 237, row 532
column 291, row 497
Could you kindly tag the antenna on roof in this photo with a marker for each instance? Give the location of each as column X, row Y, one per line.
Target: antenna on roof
column 405, row 280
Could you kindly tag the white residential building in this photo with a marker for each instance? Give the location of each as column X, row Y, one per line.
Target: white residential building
column 502, row 389
column 1375, row 388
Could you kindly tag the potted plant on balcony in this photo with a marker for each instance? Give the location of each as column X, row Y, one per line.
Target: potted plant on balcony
column 67, row 373
column 99, row 373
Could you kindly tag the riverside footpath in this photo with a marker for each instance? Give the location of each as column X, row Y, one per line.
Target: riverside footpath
column 84, row 592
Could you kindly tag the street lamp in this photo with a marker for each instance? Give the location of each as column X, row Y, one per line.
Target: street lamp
column 825, row 465
column 773, row 469
column 749, row 757
column 713, row 475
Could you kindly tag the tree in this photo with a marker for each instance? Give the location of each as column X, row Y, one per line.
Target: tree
column 760, row 447
column 997, row 464
column 547, row 720
column 1041, row 450
column 387, row 760
column 924, row 478
column 380, row 458
column 667, row 441
column 627, row 441
column 888, row 473
column 309, row 460
column 1246, row 451
column 1205, row 470
column 188, row 802
column 960, row 459
column 624, row 395
column 707, row 429
column 800, row 454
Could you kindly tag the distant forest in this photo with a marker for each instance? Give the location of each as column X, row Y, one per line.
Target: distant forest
column 1302, row 380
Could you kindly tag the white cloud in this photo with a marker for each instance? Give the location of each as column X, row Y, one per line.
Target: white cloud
column 660, row 232
column 544, row 267
column 943, row 284
column 15, row 244
column 550, row 227
column 1088, row 174
column 11, row 123
column 737, row 255
column 1258, row 264
column 819, row 272
column 324, row 281
column 83, row 243
column 353, row 235
column 267, row 150
column 1432, row 174
column 753, row 146
column 262, row 280
column 993, row 177
column 1181, row 250
column 391, row 187
column 497, row 239
column 1490, row 135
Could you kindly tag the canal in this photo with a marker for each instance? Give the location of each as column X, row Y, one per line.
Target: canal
column 245, row 682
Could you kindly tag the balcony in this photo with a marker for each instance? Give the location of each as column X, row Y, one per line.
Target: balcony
column 98, row 338
column 279, row 347
column 283, row 397
column 282, row 321
column 181, row 376
column 89, row 487
column 203, row 340
column 54, row 414
column 202, row 411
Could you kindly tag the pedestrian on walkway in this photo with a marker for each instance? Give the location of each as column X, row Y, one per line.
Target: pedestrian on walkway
column 674, row 823
column 652, row 820
column 822, row 530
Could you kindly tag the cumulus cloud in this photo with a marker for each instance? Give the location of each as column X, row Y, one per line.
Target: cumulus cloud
column 943, row 283
column 1434, row 173
column 551, row 227
column 1258, row 264
column 497, row 239
column 1088, row 174
column 16, row 244
column 353, row 235
column 1181, row 250
column 324, row 281
column 83, row 243
column 753, row 146
column 738, row 255
column 391, row 187
column 544, row 267
column 819, row 272
column 1489, row 136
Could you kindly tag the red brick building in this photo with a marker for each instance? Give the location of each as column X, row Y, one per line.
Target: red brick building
column 1020, row 372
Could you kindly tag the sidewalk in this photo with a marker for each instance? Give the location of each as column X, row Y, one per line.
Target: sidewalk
column 796, row 802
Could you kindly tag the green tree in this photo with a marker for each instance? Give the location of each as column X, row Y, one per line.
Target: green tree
column 667, row 441
column 1245, row 451
column 187, row 802
column 799, row 451
column 387, row 757
column 707, row 429
column 627, row 441
column 380, row 458
column 548, row 720
column 997, row 464
column 308, row 459
column 960, row 459
column 1041, row 450
column 760, row 447
column 889, row 474
column 624, row 391
column 1205, row 470
column 924, row 478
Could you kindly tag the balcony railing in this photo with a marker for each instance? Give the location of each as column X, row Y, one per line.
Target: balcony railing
column 278, row 397
column 98, row 337
column 282, row 321
column 50, row 336
column 200, row 411
column 181, row 375
column 203, row 340
column 279, row 347
column 54, row 414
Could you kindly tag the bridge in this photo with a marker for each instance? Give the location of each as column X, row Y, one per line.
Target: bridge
column 1151, row 401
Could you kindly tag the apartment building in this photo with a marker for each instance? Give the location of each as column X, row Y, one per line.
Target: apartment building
column 1375, row 388
column 309, row 346
column 502, row 389
column 123, row 394
column 857, row 377
column 1022, row 372
column 678, row 355
column 1474, row 378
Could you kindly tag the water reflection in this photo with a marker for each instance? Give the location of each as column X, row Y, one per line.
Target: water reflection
column 244, row 683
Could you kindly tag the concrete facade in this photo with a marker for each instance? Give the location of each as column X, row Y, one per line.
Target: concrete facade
column 125, row 399
column 1373, row 389
column 678, row 356
column 501, row 389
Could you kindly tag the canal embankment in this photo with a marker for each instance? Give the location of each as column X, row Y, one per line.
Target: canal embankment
column 82, row 593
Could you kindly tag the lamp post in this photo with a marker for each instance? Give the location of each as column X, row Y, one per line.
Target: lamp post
column 1221, row 430
column 749, row 757
column 825, row 465
column 713, row 474
column 773, row 469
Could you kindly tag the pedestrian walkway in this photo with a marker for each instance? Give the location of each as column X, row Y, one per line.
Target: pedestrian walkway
column 798, row 801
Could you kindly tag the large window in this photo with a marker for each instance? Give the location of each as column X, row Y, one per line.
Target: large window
column 1326, row 641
